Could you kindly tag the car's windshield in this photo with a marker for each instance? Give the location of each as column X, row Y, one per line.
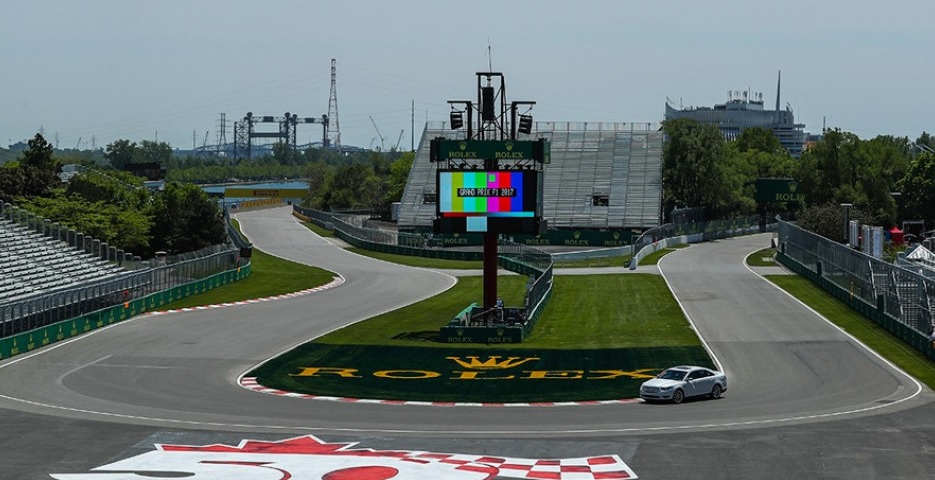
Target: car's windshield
column 672, row 375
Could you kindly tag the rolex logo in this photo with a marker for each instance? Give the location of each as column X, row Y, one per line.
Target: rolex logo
column 509, row 146
column 492, row 362
column 577, row 235
column 793, row 186
column 462, row 146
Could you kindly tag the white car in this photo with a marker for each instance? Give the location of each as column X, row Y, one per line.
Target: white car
column 678, row 383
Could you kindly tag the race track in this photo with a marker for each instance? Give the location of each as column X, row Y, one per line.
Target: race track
column 788, row 368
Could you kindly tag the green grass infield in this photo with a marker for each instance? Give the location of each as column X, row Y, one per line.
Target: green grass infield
column 598, row 339
column 502, row 375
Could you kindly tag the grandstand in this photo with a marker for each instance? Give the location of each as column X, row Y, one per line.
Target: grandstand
column 601, row 176
column 32, row 263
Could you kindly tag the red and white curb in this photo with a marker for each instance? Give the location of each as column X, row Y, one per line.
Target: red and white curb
column 250, row 383
column 337, row 281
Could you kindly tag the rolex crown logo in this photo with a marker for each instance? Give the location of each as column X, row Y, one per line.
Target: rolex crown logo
column 462, row 146
column 509, row 146
column 493, row 362
column 577, row 235
column 793, row 187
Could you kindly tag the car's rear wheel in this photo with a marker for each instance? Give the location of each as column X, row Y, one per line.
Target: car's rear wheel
column 678, row 396
column 716, row 391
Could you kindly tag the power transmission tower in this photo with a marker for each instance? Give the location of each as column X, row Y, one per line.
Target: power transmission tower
column 334, row 128
column 222, row 135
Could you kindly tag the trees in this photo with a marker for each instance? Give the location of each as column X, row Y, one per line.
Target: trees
column 691, row 176
column 185, row 219
column 153, row 152
column 827, row 220
column 34, row 175
column 917, row 188
column 120, row 153
column 123, row 228
column 398, row 176
column 842, row 168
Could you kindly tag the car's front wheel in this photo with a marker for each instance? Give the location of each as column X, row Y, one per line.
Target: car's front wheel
column 716, row 391
column 678, row 396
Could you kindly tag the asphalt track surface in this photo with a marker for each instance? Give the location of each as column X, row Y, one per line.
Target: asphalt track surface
column 805, row 399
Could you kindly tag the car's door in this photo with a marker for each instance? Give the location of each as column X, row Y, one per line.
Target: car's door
column 699, row 383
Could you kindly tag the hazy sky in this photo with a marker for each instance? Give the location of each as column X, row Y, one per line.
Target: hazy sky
column 121, row 69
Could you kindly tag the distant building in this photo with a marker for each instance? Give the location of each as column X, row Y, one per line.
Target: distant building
column 743, row 110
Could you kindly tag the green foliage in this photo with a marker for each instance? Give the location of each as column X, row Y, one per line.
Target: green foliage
column 691, row 176
column 125, row 229
column 152, row 152
column 842, row 168
column 319, row 176
column 398, row 176
column 34, row 175
column 918, row 189
column 113, row 186
column 12, row 181
column 759, row 139
column 827, row 220
column 39, row 155
column 120, row 153
column 185, row 219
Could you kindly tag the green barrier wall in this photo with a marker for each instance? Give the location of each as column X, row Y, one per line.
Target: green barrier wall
column 40, row 337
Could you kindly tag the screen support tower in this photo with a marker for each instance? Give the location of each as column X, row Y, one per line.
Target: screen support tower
column 496, row 122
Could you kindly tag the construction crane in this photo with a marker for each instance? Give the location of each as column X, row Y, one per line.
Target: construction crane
column 379, row 134
column 399, row 139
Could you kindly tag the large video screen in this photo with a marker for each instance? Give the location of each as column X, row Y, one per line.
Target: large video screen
column 506, row 201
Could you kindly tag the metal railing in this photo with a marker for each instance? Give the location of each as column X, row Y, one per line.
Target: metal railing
column 904, row 295
column 155, row 275
column 45, row 309
column 693, row 232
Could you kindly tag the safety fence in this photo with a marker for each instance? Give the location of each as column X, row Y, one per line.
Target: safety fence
column 108, row 306
column 151, row 284
column 900, row 300
column 663, row 236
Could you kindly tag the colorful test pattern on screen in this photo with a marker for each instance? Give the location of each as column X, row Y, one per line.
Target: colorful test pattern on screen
column 499, row 193
column 487, row 201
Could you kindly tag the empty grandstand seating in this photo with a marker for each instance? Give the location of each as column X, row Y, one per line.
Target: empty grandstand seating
column 32, row 263
column 601, row 176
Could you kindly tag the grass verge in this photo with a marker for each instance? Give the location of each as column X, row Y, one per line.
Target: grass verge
column 270, row 276
column 585, row 312
column 762, row 258
column 320, row 231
